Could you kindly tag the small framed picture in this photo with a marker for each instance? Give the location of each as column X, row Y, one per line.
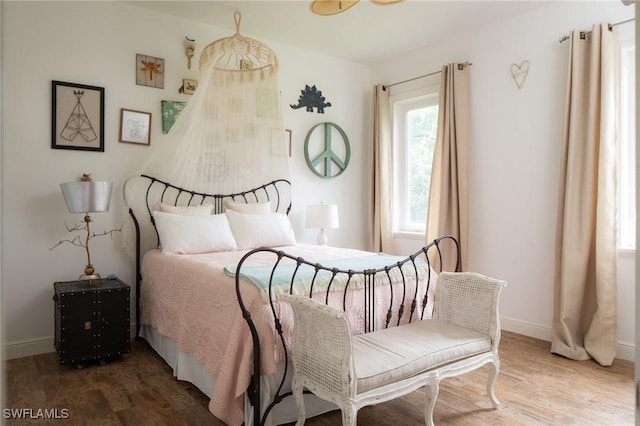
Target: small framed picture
column 170, row 112
column 287, row 139
column 135, row 127
column 149, row 71
column 77, row 116
column 281, row 142
column 189, row 86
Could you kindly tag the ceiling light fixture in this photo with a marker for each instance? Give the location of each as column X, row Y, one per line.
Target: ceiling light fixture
column 333, row 7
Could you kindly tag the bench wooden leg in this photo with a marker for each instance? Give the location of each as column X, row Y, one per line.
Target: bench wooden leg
column 493, row 375
column 349, row 416
column 297, row 390
column 432, row 395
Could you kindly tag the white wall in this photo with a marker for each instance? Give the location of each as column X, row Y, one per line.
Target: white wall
column 95, row 43
column 515, row 153
column 346, row 86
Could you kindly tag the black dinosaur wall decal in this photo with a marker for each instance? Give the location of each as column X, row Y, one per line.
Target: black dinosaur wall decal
column 311, row 98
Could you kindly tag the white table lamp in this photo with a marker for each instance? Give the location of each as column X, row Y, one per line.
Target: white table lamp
column 322, row 216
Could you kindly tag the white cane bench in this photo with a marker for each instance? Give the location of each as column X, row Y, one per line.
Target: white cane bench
column 355, row 371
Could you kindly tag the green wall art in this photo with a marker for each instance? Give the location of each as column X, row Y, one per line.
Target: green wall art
column 327, row 163
column 170, row 112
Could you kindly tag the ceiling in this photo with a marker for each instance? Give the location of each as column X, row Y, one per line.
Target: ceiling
column 365, row 33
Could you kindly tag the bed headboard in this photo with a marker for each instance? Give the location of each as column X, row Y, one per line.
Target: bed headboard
column 156, row 191
column 143, row 193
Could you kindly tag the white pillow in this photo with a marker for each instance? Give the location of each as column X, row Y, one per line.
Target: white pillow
column 194, row 234
column 201, row 210
column 248, row 208
column 261, row 230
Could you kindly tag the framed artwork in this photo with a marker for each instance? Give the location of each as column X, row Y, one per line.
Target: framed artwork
column 149, row 71
column 135, row 127
column 189, row 86
column 277, row 146
column 287, row 138
column 170, row 112
column 77, row 116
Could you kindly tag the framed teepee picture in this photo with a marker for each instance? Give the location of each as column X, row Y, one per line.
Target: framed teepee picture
column 77, row 116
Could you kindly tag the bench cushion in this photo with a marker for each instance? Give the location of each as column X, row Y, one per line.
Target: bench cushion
column 397, row 353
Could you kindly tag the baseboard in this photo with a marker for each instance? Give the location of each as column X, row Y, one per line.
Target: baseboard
column 37, row 346
column 29, row 348
column 526, row 328
column 625, row 350
column 24, row 348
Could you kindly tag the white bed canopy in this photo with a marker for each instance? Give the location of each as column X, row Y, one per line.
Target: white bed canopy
column 230, row 136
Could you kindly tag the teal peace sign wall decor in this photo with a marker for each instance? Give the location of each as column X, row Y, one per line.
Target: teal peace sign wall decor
column 322, row 165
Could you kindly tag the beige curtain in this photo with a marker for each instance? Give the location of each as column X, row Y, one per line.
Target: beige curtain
column 381, row 172
column 585, row 312
column 448, row 195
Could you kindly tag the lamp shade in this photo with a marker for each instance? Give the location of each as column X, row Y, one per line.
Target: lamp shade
column 85, row 197
column 322, row 216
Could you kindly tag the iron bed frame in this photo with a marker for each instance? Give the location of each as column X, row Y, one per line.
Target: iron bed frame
column 158, row 190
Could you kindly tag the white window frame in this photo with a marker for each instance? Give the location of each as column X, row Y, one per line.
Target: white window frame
column 400, row 104
column 627, row 157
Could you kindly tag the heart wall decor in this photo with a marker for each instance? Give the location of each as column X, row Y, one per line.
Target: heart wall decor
column 519, row 73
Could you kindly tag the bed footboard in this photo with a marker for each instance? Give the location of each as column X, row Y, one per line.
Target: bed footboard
column 405, row 282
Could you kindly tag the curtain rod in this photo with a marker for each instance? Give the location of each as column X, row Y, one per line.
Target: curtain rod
column 566, row 37
column 386, row 86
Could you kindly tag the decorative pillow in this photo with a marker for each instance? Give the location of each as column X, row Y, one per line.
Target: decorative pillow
column 182, row 234
column 248, row 208
column 261, row 230
column 201, row 210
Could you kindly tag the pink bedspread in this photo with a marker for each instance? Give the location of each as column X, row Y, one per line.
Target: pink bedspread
column 189, row 299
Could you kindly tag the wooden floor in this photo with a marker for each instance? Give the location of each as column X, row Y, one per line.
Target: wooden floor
column 534, row 386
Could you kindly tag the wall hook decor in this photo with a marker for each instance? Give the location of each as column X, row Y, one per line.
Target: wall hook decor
column 519, row 73
column 311, row 98
column 189, row 50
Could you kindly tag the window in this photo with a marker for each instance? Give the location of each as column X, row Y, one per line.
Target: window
column 415, row 124
column 627, row 152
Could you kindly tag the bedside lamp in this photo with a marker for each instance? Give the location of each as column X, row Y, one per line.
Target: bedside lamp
column 87, row 197
column 322, row 216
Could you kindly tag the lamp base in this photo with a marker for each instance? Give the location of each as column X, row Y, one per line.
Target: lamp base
column 89, row 274
column 322, row 238
column 85, row 277
column 88, row 279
